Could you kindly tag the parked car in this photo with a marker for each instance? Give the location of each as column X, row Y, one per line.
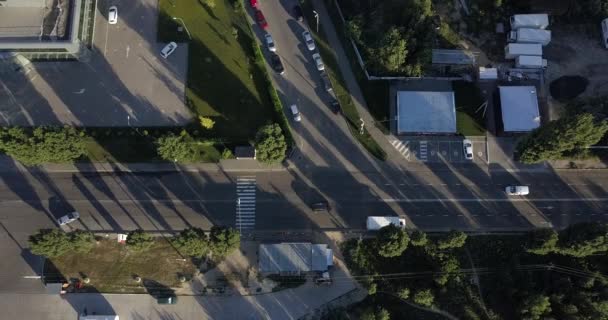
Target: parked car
column 259, row 17
column 321, row 206
column 467, row 149
column 253, row 3
column 169, row 299
column 335, row 105
column 296, row 113
column 297, row 13
column 276, row 63
column 326, row 82
column 68, row 218
column 168, row 49
column 318, row 62
column 113, row 15
column 517, row 190
column 605, row 32
column 270, row 43
column 310, row 43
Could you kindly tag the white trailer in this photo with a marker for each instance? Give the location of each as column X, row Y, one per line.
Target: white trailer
column 513, row 50
column 537, row 21
column 530, row 62
column 376, row 222
column 528, row 35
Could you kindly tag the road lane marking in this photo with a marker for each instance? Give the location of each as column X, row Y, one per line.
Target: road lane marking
column 498, row 200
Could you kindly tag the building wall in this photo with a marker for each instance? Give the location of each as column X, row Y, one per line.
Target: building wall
column 23, row 3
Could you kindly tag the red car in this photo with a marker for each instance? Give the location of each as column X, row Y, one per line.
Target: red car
column 253, row 3
column 259, row 16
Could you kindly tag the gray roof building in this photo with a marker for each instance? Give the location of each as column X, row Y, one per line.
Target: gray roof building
column 294, row 257
column 426, row 112
column 519, row 106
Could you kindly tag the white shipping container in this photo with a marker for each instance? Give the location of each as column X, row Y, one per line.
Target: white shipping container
column 537, row 21
column 530, row 62
column 527, row 35
column 513, row 50
column 375, row 223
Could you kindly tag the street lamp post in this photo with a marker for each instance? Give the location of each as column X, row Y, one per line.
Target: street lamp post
column 185, row 27
column 317, row 18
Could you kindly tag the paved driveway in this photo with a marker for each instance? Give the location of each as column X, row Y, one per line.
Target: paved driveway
column 123, row 82
column 438, row 149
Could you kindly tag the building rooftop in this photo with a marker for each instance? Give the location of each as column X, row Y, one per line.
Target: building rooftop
column 294, row 257
column 426, row 112
column 519, row 106
column 445, row 56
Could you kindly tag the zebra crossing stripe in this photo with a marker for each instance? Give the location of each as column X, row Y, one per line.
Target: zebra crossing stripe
column 245, row 203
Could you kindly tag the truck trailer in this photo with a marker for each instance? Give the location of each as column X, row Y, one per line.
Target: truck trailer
column 513, row 50
column 377, row 222
column 528, row 35
column 530, row 62
column 536, row 21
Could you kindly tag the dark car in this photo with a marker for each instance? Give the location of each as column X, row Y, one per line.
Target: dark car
column 166, row 300
column 326, row 82
column 297, row 13
column 276, row 63
column 259, row 17
column 321, row 206
column 335, row 105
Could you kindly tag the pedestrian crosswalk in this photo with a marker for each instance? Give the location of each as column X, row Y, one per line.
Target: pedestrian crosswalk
column 245, row 202
column 402, row 147
column 423, row 151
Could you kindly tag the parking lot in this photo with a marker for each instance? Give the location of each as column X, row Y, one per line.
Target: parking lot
column 438, row 149
column 122, row 82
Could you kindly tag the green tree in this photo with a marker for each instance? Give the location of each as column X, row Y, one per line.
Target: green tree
column 583, row 239
column 223, row 241
column 418, row 238
column 453, row 239
column 82, row 241
column 43, row 144
column 392, row 241
column 391, row 53
column 138, row 240
column 353, row 28
column 447, row 267
column 206, row 122
column 559, row 138
column 534, row 307
column 375, row 314
column 192, row 242
column 270, row 144
column 541, row 241
column 178, row 148
column 50, row 243
column 424, row 297
column 403, row 293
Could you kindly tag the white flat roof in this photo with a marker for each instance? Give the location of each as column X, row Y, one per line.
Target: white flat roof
column 426, row 111
column 519, row 107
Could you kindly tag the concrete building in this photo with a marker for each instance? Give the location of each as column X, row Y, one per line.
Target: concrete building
column 426, row 112
column 294, row 258
column 519, row 108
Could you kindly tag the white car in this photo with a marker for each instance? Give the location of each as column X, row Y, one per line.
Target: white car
column 318, row 62
column 270, row 43
column 296, row 113
column 70, row 217
column 467, row 149
column 308, row 39
column 168, row 49
column 517, row 190
column 113, row 15
column 605, row 32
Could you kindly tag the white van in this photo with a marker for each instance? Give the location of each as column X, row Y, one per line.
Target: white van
column 296, row 113
column 517, row 190
column 378, row 222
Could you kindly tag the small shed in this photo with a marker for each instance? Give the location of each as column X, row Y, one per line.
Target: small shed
column 426, row 112
column 488, row 73
column 519, row 106
column 245, row 152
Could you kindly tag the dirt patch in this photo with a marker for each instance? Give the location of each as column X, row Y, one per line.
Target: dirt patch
column 568, row 87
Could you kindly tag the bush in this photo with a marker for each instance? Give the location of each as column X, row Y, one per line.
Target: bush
column 223, row 241
column 50, row 243
column 206, row 122
column 82, row 241
column 424, row 298
column 270, row 144
column 192, row 242
column 177, row 148
column 138, row 240
column 227, row 154
column 541, row 241
column 43, row 144
column 453, row 239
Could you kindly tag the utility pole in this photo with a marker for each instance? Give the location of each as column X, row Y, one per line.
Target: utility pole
column 317, row 18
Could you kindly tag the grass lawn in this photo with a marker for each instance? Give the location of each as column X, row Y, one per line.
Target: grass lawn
column 111, row 267
column 339, row 85
column 224, row 82
column 469, row 121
